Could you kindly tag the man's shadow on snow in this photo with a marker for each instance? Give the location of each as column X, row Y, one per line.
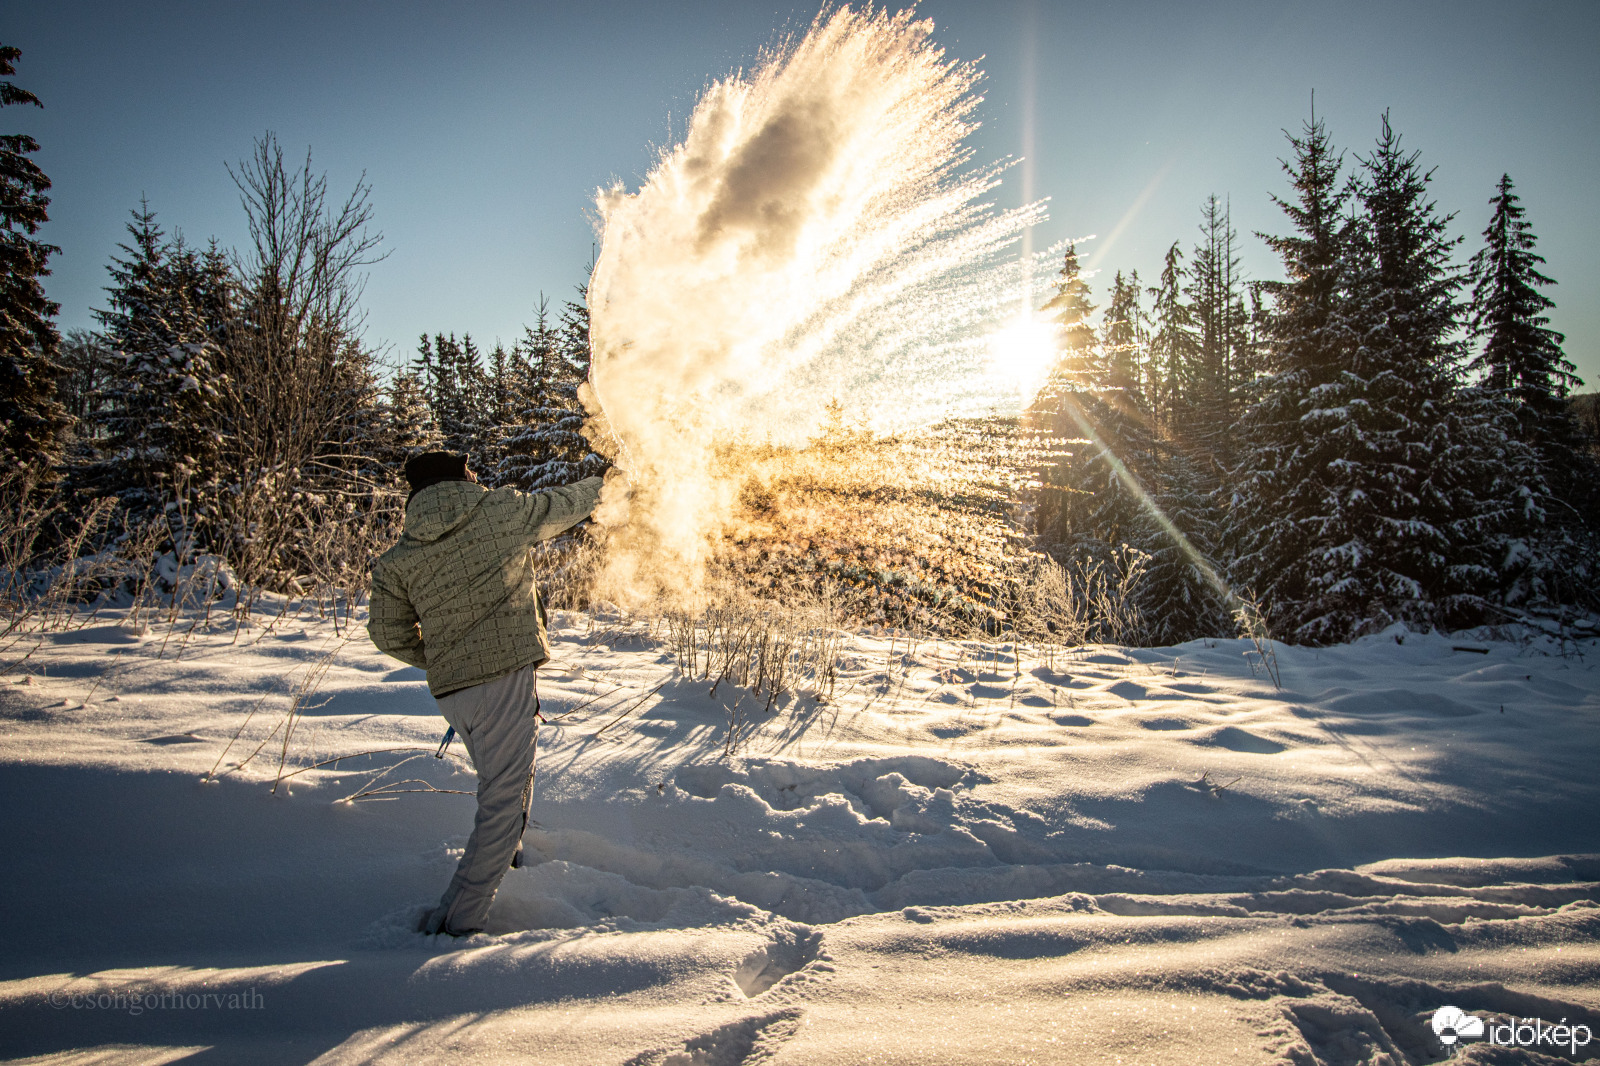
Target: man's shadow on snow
column 111, row 871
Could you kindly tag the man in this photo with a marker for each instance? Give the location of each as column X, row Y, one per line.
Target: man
column 456, row 597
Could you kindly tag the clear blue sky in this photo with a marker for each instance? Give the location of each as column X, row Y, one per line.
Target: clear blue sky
column 485, row 125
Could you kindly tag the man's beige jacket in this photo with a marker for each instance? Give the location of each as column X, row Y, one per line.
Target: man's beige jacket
column 456, row 595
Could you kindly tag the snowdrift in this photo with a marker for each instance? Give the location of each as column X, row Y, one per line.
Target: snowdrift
column 973, row 853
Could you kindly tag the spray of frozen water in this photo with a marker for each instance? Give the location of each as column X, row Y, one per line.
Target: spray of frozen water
column 818, row 235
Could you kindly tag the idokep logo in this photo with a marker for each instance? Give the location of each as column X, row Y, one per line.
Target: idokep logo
column 1452, row 1025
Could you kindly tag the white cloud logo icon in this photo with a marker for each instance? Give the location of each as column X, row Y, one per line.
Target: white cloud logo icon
column 1452, row 1023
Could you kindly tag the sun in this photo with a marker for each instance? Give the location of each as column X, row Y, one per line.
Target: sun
column 1022, row 353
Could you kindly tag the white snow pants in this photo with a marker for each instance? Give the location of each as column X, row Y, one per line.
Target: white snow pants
column 496, row 720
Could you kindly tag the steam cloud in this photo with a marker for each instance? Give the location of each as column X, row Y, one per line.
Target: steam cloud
column 813, row 237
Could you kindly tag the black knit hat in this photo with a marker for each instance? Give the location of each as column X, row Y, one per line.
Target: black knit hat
column 430, row 468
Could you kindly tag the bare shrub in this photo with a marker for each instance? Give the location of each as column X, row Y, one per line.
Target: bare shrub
column 306, row 493
column 565, row 569
column 44, row 571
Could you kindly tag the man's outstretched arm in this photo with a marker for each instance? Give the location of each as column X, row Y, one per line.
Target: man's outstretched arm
column 553, row 511
column 393, row 625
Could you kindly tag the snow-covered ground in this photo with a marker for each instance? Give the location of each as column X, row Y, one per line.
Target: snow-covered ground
column 1096, row 855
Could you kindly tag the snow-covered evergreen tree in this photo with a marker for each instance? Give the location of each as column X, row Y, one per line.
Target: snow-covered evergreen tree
column 1208, row 389
column 1279, row 494
column 411, row 428
column 1521, row 359
column 1503, row 551
column 1520, row 354
column 1172, row 343
column 1182, row 597
column 458, row 390
column 546, row 447
column 1365, row 492
column 521, row 452
column 501, row 383
column 1069, row 310
column 1091, row 499
column 169, row 309
column 357, row 456
column 33, row 424
column 1380, row 545
column 1123, row 340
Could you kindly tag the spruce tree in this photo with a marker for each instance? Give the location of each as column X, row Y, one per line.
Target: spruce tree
column 495, row 411
column 460, row 394
column 1278, row 494
column 33, row 423
column 1091, row 499
column 357, row 458
column 572, row 458
column 1207, row 397
column 1520, row 354
column 160, row 412
column 1122, row 342
column 1181, row 597
column 522, row 454
column 547, row 448
column 451, row 395
column 501, row 383
column 1172, row 344
column 425, row 368
column 1070, row 310
column 1505, row 547
column 411, row 422
column 1380, row 546
column 475, row 432
column 132, row 324
column 1358, row 500
column 1520, row 359
column 1417, row 286
column 1056, row 413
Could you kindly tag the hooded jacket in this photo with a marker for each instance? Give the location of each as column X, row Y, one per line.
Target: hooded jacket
column 456, row 595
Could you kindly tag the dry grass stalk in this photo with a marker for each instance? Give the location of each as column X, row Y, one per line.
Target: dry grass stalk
column 1095, row 602
column 769, row 649
column 1252, row 623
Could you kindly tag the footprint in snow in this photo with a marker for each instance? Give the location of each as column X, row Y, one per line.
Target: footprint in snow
column 790, row 951
column 742, row 1043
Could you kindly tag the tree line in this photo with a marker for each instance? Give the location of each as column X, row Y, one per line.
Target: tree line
column 229, row 397
column 1383, row 436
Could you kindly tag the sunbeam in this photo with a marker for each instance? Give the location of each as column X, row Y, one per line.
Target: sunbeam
column 1132, row 483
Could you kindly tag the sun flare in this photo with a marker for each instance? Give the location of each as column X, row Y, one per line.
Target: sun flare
column 1023, row 352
